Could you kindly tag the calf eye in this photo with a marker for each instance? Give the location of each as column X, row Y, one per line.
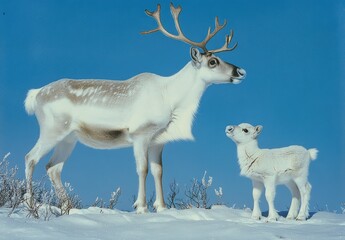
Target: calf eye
column 213, row 62
column 245, row 130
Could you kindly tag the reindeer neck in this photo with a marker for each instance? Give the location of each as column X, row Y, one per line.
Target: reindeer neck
column 185, row 88
column 182, row 92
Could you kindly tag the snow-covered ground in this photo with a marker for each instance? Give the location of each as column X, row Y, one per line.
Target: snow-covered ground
column 218, row 223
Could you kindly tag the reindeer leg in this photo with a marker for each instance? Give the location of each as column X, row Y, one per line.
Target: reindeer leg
column 41, row 148
column 52, row 131
column 54, row 167
column 140, row 147
column 155, row 158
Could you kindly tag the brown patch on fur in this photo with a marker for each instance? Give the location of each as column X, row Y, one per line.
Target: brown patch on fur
column 101, row 134
column 76, row 85
column 98, row 89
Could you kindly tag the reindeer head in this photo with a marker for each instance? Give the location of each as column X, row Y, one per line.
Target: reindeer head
column 243, row 133
column 211, row 68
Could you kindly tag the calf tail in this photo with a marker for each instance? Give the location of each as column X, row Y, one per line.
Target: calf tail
column 313, row 153
column 30, row 101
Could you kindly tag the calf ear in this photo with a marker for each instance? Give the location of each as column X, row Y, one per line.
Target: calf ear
column 196, row 57
column 258, row 130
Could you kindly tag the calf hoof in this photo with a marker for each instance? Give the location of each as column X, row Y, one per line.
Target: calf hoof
column 273, row 217
column 256, row 216
column 301, row 218
column 292, row 214
column 291, row 217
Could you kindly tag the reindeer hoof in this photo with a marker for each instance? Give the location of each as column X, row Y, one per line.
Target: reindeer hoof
column 159, row 206
column 29, row 200
column 66, row 206
column 141, row 210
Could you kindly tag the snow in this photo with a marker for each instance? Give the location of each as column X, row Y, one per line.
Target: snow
column 220, row 222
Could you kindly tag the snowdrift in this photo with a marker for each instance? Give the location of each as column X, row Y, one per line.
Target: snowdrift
column 220, row 222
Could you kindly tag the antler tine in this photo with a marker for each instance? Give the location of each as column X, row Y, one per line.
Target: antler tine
column 175, row 12
column 226, row 44
column 217, row 28
column 156, row 16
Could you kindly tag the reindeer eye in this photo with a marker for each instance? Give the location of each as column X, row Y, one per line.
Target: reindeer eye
column 213, row 62
column 245, row 130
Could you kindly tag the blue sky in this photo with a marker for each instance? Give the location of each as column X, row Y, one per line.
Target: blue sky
column 293, row 52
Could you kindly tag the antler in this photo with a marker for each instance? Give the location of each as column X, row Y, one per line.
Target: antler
column 226, row 44
column 175, row 12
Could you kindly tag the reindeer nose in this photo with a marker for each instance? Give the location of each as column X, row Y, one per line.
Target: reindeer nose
column 229, row 129
column 241, row 72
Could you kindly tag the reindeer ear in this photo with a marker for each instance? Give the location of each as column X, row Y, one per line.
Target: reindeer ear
column 196, row 57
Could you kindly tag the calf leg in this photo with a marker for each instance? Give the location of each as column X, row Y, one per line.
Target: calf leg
column 270, row 195
column 257, row 190
column 155, row 158
column 304, row 188
column 293, row 211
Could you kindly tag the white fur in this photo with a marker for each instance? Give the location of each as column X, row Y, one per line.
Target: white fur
column 30, row 101
column 270, row 167
column 145, row 112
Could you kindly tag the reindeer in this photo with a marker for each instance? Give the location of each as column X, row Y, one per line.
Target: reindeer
column 145, row 111
column 270, row 167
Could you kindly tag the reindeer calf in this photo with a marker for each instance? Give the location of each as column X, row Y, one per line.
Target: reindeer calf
column 270, row 167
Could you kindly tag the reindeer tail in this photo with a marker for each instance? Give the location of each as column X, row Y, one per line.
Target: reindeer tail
column 30, row 101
